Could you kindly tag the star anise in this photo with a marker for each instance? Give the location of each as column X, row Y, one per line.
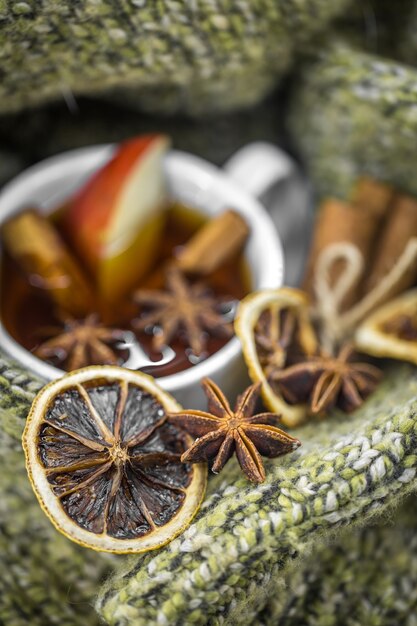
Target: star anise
column 325, row 382
column 221, row 431
column 184, row 306
column 80, row 343
column 274, row 333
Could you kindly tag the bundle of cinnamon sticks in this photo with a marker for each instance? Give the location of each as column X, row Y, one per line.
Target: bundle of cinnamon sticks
column 379, row 221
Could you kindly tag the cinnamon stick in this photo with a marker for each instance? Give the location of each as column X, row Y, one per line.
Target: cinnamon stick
column 373, row 197
column 214, row 244
column 357, row 223
column 41, row 253
column 399, row 228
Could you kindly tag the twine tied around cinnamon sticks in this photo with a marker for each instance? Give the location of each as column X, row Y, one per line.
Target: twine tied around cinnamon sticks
column 363, row 254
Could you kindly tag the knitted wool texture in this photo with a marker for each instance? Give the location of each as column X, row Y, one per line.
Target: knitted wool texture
column 302, row 548
column 44, row 578
column 368, row 577
column 159, row 55
column 224, row 568
column 245, row 541
column 366, row 122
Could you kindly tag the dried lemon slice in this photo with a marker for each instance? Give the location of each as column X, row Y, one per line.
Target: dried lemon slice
column 391, row 331
column 285, row 312
column 105, row 463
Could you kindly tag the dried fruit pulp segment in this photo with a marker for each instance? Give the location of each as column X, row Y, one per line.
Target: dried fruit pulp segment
column 83, row 464
column 105, row 463
column 25, row 309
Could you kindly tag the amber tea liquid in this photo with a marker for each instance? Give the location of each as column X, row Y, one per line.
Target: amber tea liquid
column 27, row 312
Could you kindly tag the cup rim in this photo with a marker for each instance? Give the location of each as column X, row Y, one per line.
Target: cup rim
column 270, row 272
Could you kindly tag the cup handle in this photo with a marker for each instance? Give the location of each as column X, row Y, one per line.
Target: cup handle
column 259, row 166
column 270, row 175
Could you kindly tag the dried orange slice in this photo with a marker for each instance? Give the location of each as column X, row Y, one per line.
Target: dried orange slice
column 105, row 463
column 285, row 310
column 391, row 331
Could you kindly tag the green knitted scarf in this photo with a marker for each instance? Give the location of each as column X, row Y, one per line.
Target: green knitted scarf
column 161, row 55
column 366, row 123
column 246, row 542
column 312, row 544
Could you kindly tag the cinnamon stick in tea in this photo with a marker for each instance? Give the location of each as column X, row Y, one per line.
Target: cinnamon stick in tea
column 39, row 250
column 357, row 223
column 215, row 243
column 399, row 228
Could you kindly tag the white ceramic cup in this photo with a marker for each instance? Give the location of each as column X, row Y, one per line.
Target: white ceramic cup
column 196, row 183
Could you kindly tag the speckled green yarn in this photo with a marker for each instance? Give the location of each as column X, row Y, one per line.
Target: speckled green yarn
column 44, row 578
column 353, row 112
column 224, row 567
column 156, row 54
column 255, row 555
column 368, row 578
column 17, row 390
column 246, row 541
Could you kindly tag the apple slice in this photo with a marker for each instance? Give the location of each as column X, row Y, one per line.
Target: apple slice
column 115, row 221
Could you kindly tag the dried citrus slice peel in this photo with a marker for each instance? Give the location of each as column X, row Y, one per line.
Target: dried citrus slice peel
column 105, row 463
column 391, row 331
column 247, row 317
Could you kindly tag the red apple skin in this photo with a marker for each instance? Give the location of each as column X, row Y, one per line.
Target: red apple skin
column 90, row 212
column 89, row 221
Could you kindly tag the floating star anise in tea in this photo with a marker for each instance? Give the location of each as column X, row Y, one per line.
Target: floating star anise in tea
column 184, row 307
column 80, row 343
column 221, row 432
